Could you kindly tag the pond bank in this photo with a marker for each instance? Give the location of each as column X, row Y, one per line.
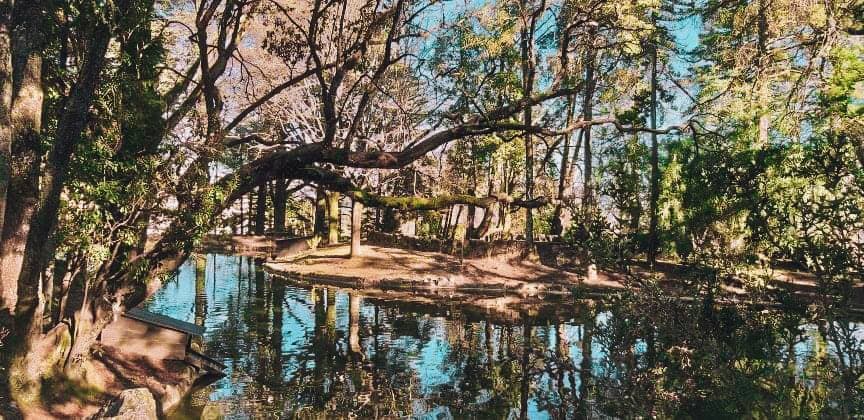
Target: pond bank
column 390, row 269
column 87, row 389
column 422, row 271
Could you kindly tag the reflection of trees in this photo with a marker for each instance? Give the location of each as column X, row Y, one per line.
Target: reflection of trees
column 200, row 289
column 846, row 384
column 707, row 361
column 525, row 367
column 635, row 356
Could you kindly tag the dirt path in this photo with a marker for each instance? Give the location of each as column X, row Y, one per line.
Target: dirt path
column 416, row 270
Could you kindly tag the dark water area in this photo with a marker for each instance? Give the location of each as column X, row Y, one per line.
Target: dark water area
column 294, row 350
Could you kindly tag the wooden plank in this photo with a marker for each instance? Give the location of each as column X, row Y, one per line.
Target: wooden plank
column 132, row 336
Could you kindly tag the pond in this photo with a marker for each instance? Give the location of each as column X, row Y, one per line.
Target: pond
column 295, row 350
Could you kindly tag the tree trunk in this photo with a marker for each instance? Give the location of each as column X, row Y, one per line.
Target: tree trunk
column 279, row 200
column 587, row 115
column 527, row 87
column 250, row 214
column 558, row 227
column 333, row 217
column 43, row 223
column 320, row 224
column 5, row 104
column 241, row 218
column 635, row 213
column 27, row 99
column 356, row 227
column 653, row 240
column 261, row 210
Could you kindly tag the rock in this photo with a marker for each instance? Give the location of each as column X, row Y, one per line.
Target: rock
column 132, row 404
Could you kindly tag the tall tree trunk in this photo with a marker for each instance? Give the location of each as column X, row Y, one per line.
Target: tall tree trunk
column 261, row 210
column 526, row 39
column 356, row 227
column 27, row 99
column 587, row 115
column 635, row 213
column 279, row 200
column 333, row 217
column 653, row 240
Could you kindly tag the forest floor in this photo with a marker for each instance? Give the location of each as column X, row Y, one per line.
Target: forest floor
column 395, row 268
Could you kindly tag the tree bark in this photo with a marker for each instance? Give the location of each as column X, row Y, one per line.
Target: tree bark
column 333, row 217
column 356, row 227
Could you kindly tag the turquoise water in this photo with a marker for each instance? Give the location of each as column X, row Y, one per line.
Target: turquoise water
column 294, row 350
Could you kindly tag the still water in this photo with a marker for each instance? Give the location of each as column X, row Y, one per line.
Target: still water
column 293, row 350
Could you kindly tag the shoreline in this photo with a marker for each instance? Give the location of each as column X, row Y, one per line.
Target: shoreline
column 434, row 275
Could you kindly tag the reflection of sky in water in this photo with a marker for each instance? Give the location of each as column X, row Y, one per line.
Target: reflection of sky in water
column 428, row 354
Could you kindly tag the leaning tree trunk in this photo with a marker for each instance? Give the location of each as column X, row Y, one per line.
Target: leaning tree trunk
column 356, row 227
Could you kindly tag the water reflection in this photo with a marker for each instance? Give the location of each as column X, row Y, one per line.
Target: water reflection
column 294, row 351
